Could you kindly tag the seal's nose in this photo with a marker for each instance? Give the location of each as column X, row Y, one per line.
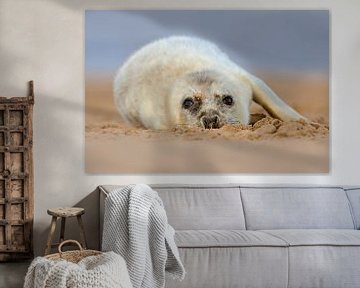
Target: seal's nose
column 210, row 122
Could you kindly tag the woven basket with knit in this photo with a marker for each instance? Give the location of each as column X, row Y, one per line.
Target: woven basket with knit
column 79, row 268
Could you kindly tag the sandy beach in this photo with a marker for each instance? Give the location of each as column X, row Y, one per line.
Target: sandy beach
column 266, row 146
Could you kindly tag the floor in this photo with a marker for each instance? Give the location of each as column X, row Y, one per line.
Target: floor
column 12, row 274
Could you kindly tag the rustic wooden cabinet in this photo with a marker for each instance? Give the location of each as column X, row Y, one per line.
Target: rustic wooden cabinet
column 16, row 177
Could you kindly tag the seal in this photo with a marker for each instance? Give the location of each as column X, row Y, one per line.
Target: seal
column 187, row 81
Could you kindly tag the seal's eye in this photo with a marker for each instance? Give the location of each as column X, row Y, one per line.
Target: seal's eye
column 188, row 102
column 228, row 100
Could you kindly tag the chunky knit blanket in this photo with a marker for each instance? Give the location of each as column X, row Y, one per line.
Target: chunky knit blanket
column 102, row 271
column 136, row 227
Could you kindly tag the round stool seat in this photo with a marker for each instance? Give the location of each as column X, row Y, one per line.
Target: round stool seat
column 66, row 211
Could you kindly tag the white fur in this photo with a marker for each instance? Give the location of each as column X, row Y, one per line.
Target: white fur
column 149, row 87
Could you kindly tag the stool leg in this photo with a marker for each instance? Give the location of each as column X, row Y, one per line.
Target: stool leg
column 62, row 230
column 51, row 235
column 82, row 232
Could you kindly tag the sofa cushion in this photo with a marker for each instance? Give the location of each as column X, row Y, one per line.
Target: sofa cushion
column 218, row 267
column 199, row 207
column 296, row 208
column 191, row 208
column 322, row 258
column 324, row 266
column 354, row 198
column 315, row 237
column 225, row 238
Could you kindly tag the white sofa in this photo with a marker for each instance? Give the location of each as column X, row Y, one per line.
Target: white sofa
column 242, row 236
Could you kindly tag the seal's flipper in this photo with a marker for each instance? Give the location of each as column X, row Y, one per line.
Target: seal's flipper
column 272, row 103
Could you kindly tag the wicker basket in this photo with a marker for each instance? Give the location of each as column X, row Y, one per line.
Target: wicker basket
column 72, row 256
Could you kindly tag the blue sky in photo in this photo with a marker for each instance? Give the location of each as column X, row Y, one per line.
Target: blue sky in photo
column 284, row 40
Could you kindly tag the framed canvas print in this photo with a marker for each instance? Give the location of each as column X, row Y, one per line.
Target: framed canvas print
column 200, row 91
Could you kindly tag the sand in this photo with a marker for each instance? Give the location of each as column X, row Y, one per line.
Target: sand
column 266, row 146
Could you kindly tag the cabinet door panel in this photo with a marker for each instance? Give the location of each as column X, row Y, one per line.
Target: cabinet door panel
column 16, row 184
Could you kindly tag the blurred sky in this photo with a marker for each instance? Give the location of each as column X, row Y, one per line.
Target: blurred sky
column 279, row 40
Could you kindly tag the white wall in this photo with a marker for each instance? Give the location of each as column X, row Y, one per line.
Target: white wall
column 44, row 40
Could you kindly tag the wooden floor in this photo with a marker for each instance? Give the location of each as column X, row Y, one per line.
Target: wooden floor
column 12, row 274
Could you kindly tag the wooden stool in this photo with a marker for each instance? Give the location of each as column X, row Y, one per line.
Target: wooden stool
column 64, row 213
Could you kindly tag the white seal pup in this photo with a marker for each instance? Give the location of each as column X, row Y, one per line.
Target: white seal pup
column 186, row 81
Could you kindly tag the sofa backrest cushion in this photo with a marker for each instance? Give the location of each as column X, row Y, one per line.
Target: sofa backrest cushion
column 354, row 198
column 203, row 208
column 296, row 208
